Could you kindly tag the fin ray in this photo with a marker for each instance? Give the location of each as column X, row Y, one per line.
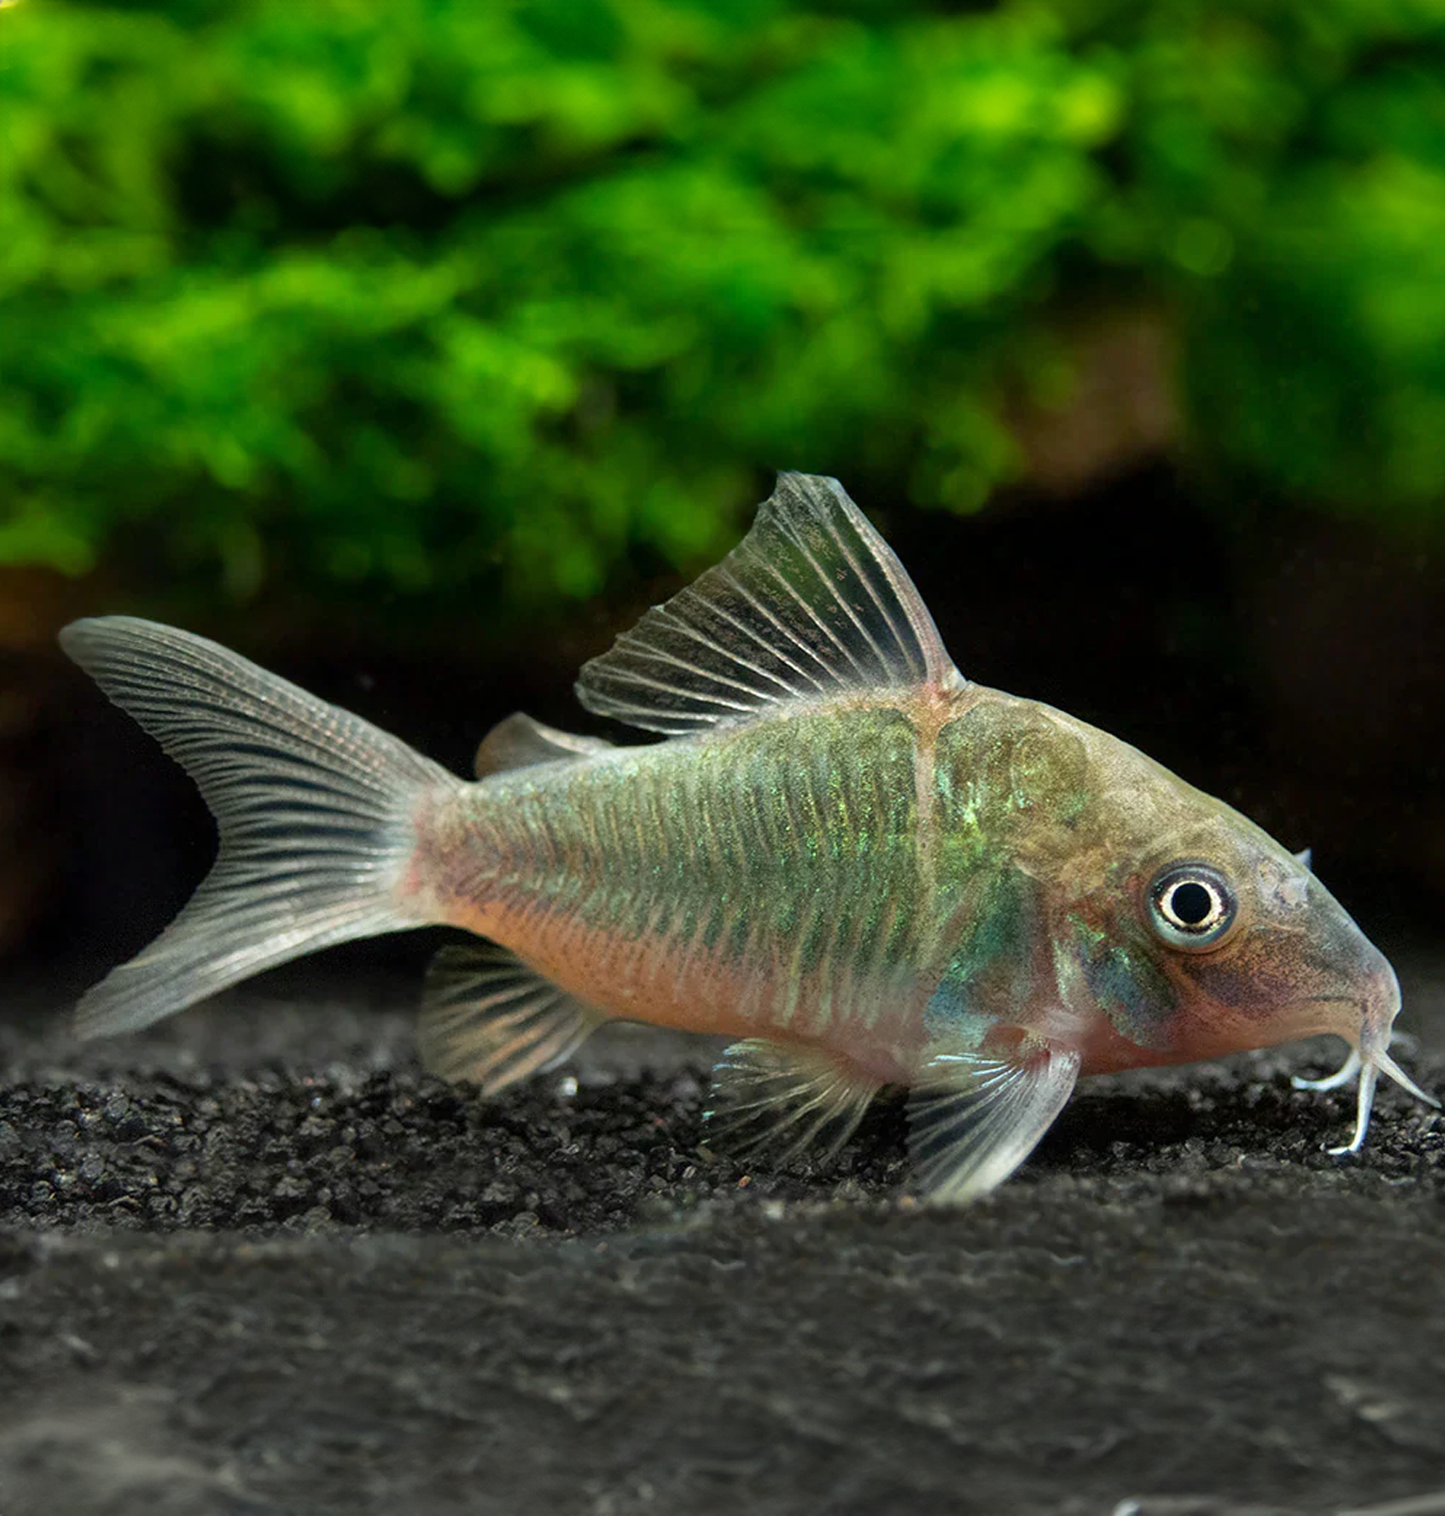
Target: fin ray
column 768, row 1094
column 751, row 664
column 811, row 603
column 759, row 608
column 316, row 808
column 974, row 1118
column 492, row 1019
column 826, row 579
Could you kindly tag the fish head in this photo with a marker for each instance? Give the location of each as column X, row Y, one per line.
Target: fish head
column 1252, row 948
column 1210, row 938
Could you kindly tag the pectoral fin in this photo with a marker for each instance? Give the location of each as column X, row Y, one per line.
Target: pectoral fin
column 488, row 1017
column 785, row 1097
column 974, row 1117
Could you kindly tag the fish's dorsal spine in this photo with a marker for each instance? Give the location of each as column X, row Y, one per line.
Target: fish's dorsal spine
column 811, row 604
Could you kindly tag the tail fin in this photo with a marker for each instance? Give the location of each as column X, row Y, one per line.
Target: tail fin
column 317, row 812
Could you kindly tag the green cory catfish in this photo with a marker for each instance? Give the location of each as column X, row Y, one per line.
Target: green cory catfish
column 860, row 866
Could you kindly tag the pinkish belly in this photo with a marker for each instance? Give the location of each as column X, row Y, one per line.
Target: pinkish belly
column 686, row 987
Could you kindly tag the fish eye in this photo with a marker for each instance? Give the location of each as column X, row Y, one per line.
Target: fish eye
column 1191, row 905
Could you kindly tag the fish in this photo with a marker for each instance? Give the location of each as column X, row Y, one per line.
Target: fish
column 863, row 869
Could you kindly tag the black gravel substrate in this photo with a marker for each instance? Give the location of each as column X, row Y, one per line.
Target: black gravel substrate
column 256, row 1262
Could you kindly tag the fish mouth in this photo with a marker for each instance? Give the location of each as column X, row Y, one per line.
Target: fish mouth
column 1370, row 1057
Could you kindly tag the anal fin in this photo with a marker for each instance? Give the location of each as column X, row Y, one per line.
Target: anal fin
column 489, row 1018
column 974, row 1117
column 785, row 1097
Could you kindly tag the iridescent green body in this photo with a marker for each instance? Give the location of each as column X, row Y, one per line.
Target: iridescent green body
column 859, row 865
column 879, row 877
column 766, row 876
column 770, row 877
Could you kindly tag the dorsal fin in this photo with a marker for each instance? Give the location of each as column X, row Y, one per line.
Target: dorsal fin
column 812, row 602
column 518, row 741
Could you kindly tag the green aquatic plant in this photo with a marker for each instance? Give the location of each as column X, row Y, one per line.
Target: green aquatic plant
column 386, row 295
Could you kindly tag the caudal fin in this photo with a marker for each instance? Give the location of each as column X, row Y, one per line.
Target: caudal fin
column 317, row 811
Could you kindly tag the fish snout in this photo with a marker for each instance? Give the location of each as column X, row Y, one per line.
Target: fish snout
column 1379, row 1007
column 1370, row 1055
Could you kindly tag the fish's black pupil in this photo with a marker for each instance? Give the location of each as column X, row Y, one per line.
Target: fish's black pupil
column 1191, row 903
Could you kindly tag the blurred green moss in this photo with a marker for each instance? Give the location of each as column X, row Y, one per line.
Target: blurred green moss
column 336, row 292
